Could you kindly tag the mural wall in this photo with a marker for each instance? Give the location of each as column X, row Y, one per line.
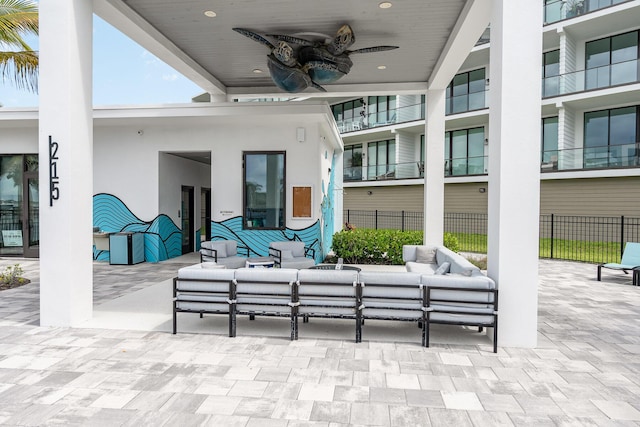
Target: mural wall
column 162, row 237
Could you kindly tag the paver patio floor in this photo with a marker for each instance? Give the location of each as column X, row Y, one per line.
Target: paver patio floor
column 584, row 371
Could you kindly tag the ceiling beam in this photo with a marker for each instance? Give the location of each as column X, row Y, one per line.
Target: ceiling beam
column 346, row 90
column 125, row 19
column 473, row 20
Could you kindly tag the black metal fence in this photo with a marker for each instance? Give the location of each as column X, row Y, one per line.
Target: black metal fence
column 578, row 238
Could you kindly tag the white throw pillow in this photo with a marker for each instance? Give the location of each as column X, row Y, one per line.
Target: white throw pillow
column 221, row 248
column 425, row 255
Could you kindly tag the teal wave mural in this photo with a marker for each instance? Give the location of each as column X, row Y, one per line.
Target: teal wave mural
column 328, row 209
column 257, row 241
column 162, row 237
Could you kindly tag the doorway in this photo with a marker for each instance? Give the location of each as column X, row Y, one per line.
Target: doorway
column 19, row 220
column 186, row 213
column 205, row 214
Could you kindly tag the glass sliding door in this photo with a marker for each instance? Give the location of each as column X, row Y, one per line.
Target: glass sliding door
column 11, row 204
column 31, row 220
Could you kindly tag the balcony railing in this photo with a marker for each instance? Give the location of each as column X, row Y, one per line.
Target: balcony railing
column 408, row 113
column 467, row 102
column 565, row 9
column 601, row 157
column 620, row 73
column 464, row 166
column 405, row 170
column 453, row 167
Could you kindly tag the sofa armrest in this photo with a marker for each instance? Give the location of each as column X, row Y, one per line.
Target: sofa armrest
column 276, row 254
column 211, row 253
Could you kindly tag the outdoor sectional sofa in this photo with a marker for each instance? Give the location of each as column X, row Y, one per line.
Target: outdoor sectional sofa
column 464, row 296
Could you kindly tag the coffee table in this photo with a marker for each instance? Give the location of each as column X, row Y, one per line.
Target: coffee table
column 259, row 262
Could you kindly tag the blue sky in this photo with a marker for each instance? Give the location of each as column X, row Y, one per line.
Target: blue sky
column 123, row 73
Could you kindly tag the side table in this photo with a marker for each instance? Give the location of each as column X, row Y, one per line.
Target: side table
column 259, row 262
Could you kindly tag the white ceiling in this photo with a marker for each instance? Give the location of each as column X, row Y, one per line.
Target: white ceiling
column 433, row 36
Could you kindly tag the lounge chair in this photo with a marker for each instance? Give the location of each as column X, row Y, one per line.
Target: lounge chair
column 630, row 262
column 292, row 254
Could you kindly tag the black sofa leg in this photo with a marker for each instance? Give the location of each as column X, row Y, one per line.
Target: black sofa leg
column 175, row 321
column 599, row 276
column 232, row 323
column 252, row 317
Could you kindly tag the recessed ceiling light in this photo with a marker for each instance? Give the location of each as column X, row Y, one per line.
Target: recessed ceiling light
column 385, row 5
column 257, row 71
column 210, row 13
column 382, row 67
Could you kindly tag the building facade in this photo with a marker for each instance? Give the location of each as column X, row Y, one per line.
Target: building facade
column 589, row 120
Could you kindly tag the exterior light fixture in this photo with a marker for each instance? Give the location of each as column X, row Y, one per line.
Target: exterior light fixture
column 257, row 71
column 210, row 14
column 482, row 190
column 385, row 5
column 382, row 67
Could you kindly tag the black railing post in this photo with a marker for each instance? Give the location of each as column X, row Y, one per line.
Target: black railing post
column 402, row 221
column 376, row 219
column 552, row 224
column 348, row 214
column 621, row 235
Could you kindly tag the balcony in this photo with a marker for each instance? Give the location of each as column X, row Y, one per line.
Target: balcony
column 407, row 170
column 465, row 166
column 408, row 113
column 601, row 157
column 566, row 9
column 467, row 102
column 621, row 73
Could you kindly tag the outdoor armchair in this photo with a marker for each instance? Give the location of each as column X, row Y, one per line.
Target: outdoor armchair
column 292, row 254
column 630, row 262
column 223, row 252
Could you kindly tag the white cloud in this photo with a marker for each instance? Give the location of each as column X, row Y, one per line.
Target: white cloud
column 169, row 77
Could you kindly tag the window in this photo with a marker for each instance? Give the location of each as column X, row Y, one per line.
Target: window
column 381, row 110
column 549, row 155
column 611, row 136
column 464, row 152
column 264, row 184
column 612, row 60
column 381, row 159
column 353, row 162
column 466, row 92
column 551, row 73
column 19, row 210
column 349, row 112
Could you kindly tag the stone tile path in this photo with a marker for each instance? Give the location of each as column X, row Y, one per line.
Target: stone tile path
column 585, row 370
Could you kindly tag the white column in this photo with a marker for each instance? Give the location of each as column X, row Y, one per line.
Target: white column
column 66, row 266
column 514, row 167
column 434, row 167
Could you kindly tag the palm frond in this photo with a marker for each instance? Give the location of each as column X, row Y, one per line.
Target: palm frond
column 17, row 18
column 20, row 69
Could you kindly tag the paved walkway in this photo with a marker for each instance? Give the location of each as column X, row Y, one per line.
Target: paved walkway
column 585, row 370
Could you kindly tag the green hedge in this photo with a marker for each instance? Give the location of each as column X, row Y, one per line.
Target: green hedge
column 369, row 246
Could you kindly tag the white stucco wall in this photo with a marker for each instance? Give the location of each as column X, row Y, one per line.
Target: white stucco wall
column 127, row 163
column 19, row 141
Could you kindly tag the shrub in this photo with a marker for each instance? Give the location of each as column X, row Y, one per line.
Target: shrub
column 369, row 246
column 11, row 275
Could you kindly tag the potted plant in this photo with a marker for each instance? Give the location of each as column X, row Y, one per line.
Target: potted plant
column 573, row 8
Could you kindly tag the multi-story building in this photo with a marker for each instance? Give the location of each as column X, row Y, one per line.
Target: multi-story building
column 589, row 116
